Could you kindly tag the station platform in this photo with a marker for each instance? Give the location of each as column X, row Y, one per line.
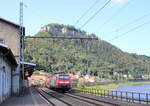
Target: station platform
column 31, row 98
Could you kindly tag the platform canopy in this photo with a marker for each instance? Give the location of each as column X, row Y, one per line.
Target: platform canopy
column 28, row 68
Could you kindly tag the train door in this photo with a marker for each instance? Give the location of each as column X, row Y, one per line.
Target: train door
column 53, row 82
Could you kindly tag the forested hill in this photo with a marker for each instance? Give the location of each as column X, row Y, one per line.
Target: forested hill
column 93, row 57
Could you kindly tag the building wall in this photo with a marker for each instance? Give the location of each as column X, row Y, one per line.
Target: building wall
column 16, row 81
column 10, row 34
column 5, row 78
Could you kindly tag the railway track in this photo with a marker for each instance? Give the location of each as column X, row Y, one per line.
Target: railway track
column 91, row 100
column 69, row 99
column 45, row 97
column 51, row 99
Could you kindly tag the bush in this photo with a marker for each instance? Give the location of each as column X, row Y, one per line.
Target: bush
column 37, row 84
column 81, row 85
column 97, row 79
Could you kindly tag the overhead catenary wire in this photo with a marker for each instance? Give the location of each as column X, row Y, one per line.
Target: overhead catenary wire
column 130, row 23
column 99, row 10
column 87, row 11
column 115, row 14
column 131, row 30
column 35, row 13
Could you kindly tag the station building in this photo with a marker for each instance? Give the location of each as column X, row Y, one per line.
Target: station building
column 10, row 36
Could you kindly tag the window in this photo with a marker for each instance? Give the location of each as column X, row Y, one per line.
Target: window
column 1, row 41
column 63, row 77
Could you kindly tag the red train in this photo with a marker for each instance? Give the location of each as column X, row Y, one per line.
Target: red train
column 59, row 82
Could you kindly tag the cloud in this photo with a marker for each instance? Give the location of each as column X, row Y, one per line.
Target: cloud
column 119, row 1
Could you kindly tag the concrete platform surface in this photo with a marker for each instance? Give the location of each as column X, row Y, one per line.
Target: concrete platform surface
column 31, row 98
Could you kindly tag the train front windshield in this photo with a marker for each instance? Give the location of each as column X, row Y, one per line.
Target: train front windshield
column 64, row 77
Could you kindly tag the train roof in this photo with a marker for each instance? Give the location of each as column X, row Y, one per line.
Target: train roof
column 57, row 74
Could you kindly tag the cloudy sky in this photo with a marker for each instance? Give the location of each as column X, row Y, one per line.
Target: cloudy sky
column 123, row 23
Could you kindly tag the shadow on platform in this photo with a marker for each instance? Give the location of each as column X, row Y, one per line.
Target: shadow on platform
column 30, row 98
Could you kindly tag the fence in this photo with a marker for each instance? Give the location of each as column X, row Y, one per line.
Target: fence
column 142, row 98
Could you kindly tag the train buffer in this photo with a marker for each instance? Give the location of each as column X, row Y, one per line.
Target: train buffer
column 30, row 98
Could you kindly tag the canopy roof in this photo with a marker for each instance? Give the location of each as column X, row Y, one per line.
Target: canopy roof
column 28, row 68
column 6, row 51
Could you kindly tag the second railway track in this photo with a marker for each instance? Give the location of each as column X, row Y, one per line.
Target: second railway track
column 74, row 100
column 92, row 101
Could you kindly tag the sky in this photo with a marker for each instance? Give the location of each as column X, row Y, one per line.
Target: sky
column 123, row 23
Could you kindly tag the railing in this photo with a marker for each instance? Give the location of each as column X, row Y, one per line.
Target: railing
column 141, row 98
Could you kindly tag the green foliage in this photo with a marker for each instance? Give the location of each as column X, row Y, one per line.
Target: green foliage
column 93, row 57
column 97, row 79
column 38, row 73
column 37, row 84
column 81, row 85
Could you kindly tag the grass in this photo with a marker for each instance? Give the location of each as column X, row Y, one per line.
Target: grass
column 107, row 86
column 118, row 84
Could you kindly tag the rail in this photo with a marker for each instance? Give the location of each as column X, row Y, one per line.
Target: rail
column 141, row 98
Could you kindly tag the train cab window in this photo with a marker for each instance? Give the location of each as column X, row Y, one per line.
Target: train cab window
column 63, row 77
column 1, row 41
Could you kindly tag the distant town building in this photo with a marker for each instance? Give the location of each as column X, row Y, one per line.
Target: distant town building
column 77, row 78
column 37, row 79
